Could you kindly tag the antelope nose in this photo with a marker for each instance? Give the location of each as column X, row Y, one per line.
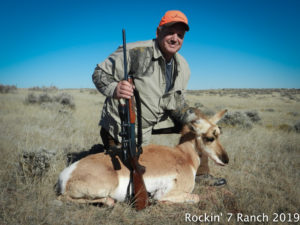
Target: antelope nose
column 225, row 158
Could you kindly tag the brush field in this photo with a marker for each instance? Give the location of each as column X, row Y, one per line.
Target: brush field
column 43, row 129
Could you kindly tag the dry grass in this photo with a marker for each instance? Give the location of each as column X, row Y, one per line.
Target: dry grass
column 263, row 172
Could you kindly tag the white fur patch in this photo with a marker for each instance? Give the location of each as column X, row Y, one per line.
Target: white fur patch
column 213, row 155
column 64, row 176
column 194, row 171
column 120, row 192
column 204, row 126
column 159, row 186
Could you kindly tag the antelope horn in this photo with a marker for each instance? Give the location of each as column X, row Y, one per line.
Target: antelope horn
column 189, row 115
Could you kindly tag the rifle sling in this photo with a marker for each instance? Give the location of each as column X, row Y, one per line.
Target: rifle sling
column 139, row 121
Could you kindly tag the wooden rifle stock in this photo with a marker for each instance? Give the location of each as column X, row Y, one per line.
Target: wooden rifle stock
column 129, row 144
column 141, row 200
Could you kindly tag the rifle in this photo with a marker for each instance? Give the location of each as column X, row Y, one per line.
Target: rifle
column 131, row 155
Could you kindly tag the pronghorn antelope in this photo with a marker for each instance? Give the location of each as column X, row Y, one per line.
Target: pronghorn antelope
column 170, row 171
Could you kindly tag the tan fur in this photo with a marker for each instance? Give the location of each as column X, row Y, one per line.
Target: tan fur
column 170, row 172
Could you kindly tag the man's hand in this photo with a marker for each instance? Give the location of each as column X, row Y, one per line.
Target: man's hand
column 124, row 90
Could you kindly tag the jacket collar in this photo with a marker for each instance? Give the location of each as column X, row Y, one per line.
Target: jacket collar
column 156, row 53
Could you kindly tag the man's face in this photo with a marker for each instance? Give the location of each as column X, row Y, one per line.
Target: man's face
column 170, row 39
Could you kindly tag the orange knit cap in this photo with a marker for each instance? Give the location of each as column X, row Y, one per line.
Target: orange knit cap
column 174, row 16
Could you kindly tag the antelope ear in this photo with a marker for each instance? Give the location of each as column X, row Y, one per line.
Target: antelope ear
column 215, row 119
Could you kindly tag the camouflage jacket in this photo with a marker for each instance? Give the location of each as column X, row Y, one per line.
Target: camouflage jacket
column 147, row 66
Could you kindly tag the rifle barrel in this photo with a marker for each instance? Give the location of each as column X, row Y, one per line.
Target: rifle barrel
column 139, row 188
column 125, row 55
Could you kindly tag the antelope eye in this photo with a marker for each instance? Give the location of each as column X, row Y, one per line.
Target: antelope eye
column 209, row 139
